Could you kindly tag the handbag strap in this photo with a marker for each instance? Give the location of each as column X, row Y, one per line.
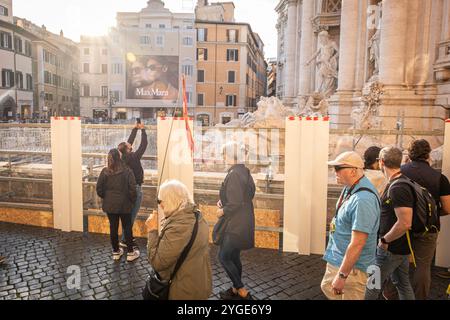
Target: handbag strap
column 186, row 249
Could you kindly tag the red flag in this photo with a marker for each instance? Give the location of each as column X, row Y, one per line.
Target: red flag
column 186, row 118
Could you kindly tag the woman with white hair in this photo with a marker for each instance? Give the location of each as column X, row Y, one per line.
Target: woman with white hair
column 236, row 205
column 193, row 280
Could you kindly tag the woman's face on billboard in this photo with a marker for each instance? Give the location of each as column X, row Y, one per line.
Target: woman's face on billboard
column 153, row 70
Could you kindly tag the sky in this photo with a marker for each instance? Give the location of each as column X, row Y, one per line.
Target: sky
column 94, row 17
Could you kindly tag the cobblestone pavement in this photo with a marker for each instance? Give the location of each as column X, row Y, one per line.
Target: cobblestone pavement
column 38, row 258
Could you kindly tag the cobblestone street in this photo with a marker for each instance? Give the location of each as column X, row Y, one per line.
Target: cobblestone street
column 38, row 258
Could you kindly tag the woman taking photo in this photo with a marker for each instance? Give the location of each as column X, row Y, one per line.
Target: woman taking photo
column 193, row 279
column 116, row 185
column 236, row 205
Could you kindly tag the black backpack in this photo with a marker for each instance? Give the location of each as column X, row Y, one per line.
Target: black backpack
column 425, row 213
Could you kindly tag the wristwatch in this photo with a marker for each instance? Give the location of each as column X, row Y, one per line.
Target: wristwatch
column 343, row 275
column 383, row 240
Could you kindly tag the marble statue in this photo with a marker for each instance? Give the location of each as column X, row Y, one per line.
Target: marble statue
column 374, row 52
column 326, row 58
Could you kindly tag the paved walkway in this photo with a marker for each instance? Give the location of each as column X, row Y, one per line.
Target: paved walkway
column 38, row 259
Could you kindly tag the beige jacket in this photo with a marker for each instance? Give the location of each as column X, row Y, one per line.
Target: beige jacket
column 193, row 280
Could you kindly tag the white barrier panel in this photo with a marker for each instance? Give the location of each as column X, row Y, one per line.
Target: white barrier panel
column 306, row 183
column 443, row 243
column 179, row 163
column 67, row 173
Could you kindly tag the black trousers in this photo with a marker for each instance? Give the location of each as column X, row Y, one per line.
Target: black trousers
column 126, row 229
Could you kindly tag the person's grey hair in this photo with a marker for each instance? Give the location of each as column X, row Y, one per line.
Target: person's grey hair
column 233, row 149
column 392, row 157
column 174, row 196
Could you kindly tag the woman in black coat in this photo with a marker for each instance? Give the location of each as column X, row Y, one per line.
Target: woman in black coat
column 116, row 185
column 236, row 204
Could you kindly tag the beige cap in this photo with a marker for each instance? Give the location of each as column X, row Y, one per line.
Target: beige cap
column 348, row 159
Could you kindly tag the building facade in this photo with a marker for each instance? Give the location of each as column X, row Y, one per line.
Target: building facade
column 231, row 69
column 389, row 56
column 136, row 71
column 16, row 83
column 55, row 72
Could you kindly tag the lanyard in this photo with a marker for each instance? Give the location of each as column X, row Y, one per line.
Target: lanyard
column 342, row 200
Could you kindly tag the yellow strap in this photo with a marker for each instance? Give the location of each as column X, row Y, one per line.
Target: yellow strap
column 410, row 248
column 448, row 290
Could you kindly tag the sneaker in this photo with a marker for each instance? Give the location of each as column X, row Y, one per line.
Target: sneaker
column 227, row 294
column 122, row 244
column 131, row 256
column 2, row 259
column 117, row 255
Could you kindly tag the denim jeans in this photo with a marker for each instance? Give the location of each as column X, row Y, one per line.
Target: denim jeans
column 125, row 219
column 230, row 258
column 394, row 266
column 135, row 211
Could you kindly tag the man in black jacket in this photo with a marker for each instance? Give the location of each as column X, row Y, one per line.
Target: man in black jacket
column 133, row 161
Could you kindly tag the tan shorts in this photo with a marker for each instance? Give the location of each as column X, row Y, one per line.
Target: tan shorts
column 355, row 285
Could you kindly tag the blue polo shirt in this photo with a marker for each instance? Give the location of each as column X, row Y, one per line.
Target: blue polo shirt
column 361, row 212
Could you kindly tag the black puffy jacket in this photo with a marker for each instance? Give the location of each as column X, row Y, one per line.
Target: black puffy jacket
column 118, row 191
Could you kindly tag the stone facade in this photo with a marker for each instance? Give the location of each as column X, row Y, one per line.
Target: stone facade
column 107, row 64
column 402, row 46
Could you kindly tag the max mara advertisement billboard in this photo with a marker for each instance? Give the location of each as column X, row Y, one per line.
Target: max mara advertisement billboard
column 152, row 77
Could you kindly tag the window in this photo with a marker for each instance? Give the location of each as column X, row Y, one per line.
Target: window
column 247, row 79
column 160, row 41
column 104, row 91
column 104, row 68
column 204, row 118
column 104, row 52
column 117, row 68
column 116, row 95
column 148, row 25
column 28, row 48
column 231, row 101
column 187, row 70
column 231, row 76
column 162, row 26
column 189, row 97
column 3, row 11
column 202, row 54
column 86, row 51
column 200, row 99
column 232, row 35
column 29, row 82
column 54, row 80
column 145, row 40
column 18, row 44
column 86, row 67
column 188, row 41
column 7, row 78
column 200, row 75
column 86, row 90
column 202, row 34
column 5, row 40
column 47, row 77
column 232, row 55
column 19, row 80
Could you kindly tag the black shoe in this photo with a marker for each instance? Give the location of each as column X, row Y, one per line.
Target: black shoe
column 443, row 275
column 2, row 259
column 227, row 294
column 248, row 297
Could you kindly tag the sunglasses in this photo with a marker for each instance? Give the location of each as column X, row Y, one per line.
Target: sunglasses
column 154, row 67
column 339, row 168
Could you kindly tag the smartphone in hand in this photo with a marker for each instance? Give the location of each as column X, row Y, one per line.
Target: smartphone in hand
column 138, row 120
